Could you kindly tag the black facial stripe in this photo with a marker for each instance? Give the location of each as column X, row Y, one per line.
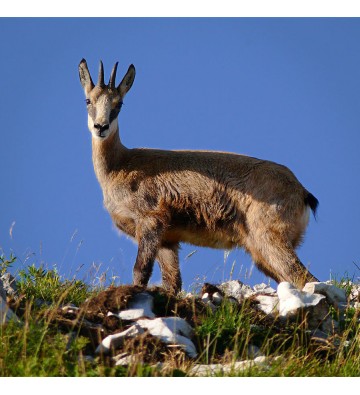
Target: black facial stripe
column 113, row 114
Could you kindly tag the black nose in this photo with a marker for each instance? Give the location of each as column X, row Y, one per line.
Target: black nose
column 101, row 128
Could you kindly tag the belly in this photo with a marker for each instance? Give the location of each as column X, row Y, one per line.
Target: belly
column 125, row 222
column 200, row 238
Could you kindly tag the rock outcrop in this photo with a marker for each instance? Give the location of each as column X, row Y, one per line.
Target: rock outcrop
column 122, row 322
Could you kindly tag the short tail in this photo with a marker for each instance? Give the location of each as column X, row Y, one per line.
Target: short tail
column 312, row 202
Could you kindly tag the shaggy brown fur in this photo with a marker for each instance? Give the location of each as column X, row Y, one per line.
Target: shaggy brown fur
column 211, row 199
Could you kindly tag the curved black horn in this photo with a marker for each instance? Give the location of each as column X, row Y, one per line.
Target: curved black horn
column 101, row 75
column 113, row 76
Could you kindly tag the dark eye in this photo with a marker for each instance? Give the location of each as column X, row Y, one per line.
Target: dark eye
column 87, row 101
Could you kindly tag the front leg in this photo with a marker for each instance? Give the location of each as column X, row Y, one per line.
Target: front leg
column 168, row 259
column 148, row 234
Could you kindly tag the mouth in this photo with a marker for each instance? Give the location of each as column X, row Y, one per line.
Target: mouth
column 99, row 135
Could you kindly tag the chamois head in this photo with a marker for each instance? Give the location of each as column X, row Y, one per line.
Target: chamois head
column 104, row 101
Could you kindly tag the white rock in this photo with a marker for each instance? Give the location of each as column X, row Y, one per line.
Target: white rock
column 217, row 298
column 354, row 297
column 260, row 359
column 70, row 308
column 268, row 304
column 141, row 306
column 291, row 299
column 355, row 290
column 126, row 359
column 334, row 295
column 205, row 298
column 236, row 289
column 264, row 289
column 8, row 285
column 206, row 370
column 240, row 366
column 116, row 340
column 171, row 330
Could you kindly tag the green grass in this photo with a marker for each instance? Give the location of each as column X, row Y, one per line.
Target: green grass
column 36, row 347
column 37, row 283
column 226, row 334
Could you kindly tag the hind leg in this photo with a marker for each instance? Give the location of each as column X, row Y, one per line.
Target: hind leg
column 277, row 259
column 168, row 259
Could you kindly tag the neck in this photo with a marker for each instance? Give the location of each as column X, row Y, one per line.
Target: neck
column 107, row 155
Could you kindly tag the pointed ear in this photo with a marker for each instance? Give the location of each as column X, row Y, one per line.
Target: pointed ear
column 127, row 81
column 85, row 77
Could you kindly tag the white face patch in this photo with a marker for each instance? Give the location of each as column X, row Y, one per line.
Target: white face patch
column 100, row 115
column 113, row 126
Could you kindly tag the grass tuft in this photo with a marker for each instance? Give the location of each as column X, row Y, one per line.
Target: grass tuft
column 38, row 345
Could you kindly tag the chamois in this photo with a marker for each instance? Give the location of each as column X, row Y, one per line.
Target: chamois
column 207, row 198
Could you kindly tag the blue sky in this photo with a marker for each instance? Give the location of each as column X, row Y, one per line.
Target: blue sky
column 286, row 90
